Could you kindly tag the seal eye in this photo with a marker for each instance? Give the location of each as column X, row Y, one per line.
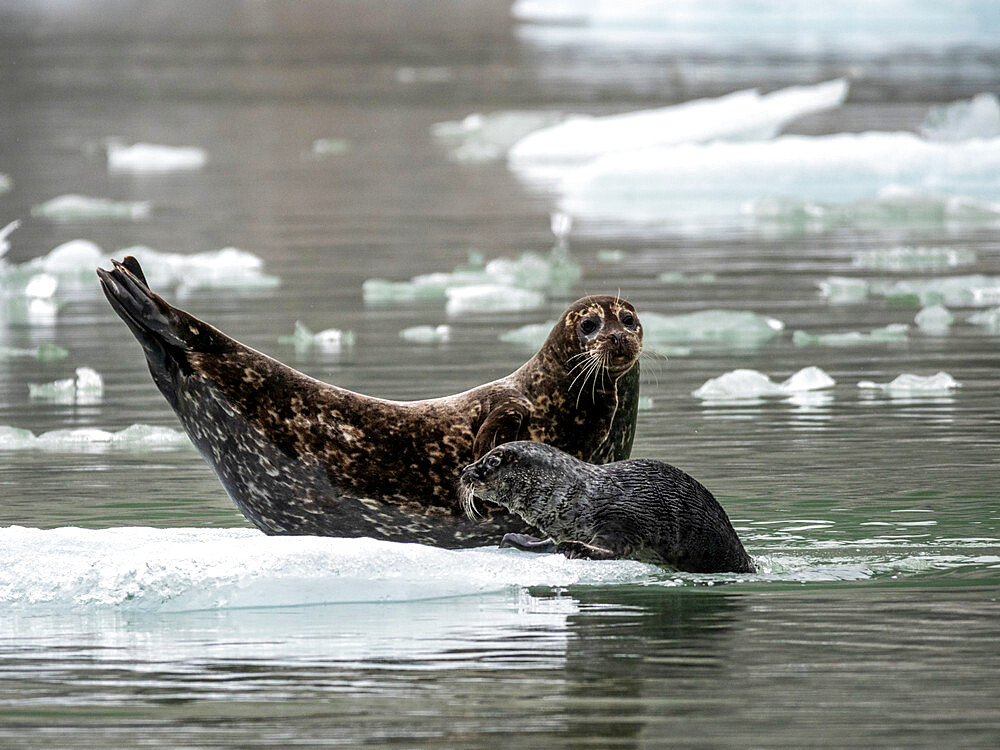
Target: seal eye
column 492, row 462
column 628, row 319
column 590, row 325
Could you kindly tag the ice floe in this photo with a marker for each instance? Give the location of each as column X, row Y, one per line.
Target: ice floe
column 530, row 336
column 734, row 327
column 989, row 318
column 843, row 290
column 331, row 341
column 73, row 207
column 686, row 279
column 908, row 383
column 978, row 117
column 890, row 333
column 935, row 320
column 5, row 234
column 481, row 138
column 138, row 437
column 44, row 352
column 743, row 115
column 722, row 181
column 324, row 147
column 151, row 157
column 86, row 387
column 491, row 298
column 974, row 290
column 752, row 384
column 914, row 258
column 427, row 334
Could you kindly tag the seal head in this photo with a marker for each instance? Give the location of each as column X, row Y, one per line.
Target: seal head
column 641, row 509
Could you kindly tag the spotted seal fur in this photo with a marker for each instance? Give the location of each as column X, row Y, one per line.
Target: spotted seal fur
column 642, row 509
column 299, row 456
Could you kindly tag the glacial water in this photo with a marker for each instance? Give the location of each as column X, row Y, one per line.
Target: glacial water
column 332, row 184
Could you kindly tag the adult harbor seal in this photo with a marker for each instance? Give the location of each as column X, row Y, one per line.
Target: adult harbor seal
column 299, row 456
column 642, row 509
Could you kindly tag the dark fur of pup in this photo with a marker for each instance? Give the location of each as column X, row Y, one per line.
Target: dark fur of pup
column 299, row 456
column 641, row 509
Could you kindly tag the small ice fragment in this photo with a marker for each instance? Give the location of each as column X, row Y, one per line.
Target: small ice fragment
column 686, row 279
column 738, row 327
column 891, row 332
column 322, row 147
column 748, row 384
column 908, row 383
column 934, row 320
column 71, row 207
column 5, row 183
column 492, row 298
column 150, row 157
column 427, row 334
column 4, row 234
column 645, row 403
column 561, row 224
column 86, row 388
column 383, row 292
column 914, row 258
column 989, row 318
column 531, row 336
column 41, row 286
column 485, row 138
column 841, row 290
column 978, row 117
column 610, row 256
column 331, row 340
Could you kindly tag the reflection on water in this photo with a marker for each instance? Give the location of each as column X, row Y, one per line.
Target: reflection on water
column 871, row 512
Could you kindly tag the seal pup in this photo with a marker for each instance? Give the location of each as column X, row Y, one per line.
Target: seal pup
column 641, row 509
column 299, row 456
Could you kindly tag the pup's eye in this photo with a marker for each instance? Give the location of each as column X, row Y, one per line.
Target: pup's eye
column 628, row 319
column 492, row 462
column 588, row 326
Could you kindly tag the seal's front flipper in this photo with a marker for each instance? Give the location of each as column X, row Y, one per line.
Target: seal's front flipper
column 502, row 425
column 528, row 543
column 583, row 551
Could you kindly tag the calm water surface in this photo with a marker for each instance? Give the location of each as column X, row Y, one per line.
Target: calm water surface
column 874, row 517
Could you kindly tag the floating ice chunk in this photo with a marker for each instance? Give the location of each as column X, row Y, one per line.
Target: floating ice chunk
column 691, row 184
column 483, row 138
column 889, row 333
column 973, row 290
column 72, row 207
column 555, row 273
column 86, row 388
column 4, row 234
column 686, row 279
column 751, row 384
column 427, row 334
column 150, row 157
column 45, row 352
column 914, row 258
column 906, row 383
column 5, row 183
column 531, row 336
column 332, row 340
column 841, row 290
column 730, row 326
column 742, row 115
column 989, row 318
column 136, row 437
column 934, row 320
column 492, row 298
column 42, row 286
column 323, row 147
column 645, row 403
column 610, row 256
column 978, row 117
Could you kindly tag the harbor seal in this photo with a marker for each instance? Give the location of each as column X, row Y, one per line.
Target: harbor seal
column 299, row 456
column 641, row 509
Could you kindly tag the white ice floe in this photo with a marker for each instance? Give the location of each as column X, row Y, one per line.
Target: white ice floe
column 907, row 384
column 752, row 384
column 86, row 387
column 914, row 258
column 975, row 290
column 728, row 182
column 191, row 569
column 889, row 333
column 427, row 334
column 151, row 157
column 491, row 298
column 744, row 115
column 73, row 207
column 989, row 318
column 978, row 117
column 842, row 290
column 530, row 336
column 935, row 320
column 481, row 138
column 44, row 352
column 331, row 341
column 138, row 437
column 734, row 327
column 785, row 26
